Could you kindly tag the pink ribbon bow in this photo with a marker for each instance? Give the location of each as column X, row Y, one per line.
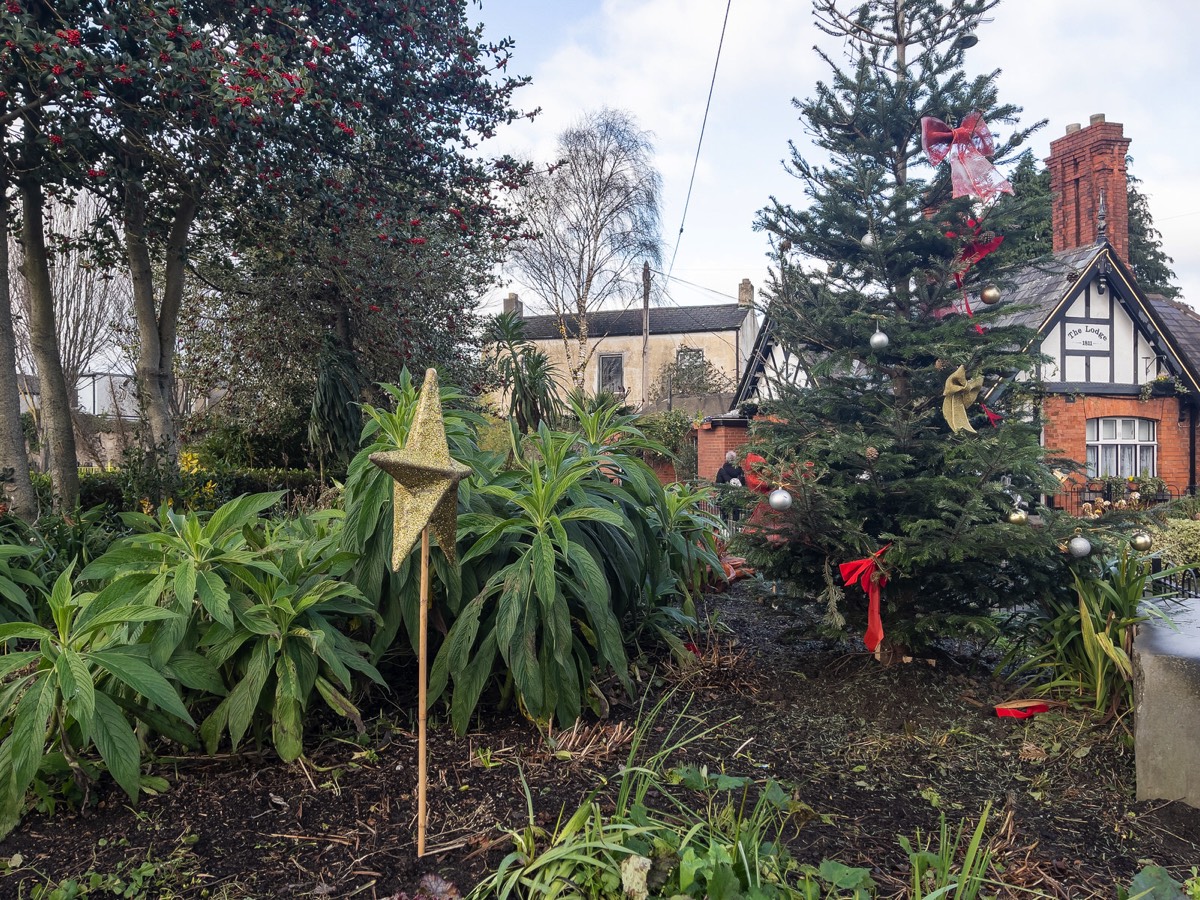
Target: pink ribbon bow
column 871, row 578
column 968, row 147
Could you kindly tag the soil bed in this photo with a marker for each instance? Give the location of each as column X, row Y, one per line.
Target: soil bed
column 875, row 751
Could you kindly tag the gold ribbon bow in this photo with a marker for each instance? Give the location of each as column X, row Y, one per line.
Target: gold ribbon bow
column 960, row 393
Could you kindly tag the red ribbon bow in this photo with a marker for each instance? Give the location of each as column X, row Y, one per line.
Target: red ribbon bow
column 871, row 578
column 968, row 148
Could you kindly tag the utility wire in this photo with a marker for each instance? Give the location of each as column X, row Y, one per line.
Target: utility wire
column 700, row 143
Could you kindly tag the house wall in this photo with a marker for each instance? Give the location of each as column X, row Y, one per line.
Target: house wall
column 724, row 349
column 1065, row 422
column 1096, row 341
column 713, row 440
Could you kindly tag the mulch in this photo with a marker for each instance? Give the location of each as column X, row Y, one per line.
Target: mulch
column 876, row 752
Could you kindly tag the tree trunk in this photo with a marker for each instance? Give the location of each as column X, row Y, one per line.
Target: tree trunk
column 54, row 401
column 157, row 325
column 21, row 500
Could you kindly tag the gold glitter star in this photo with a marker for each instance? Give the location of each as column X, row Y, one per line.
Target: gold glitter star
column 426, row 488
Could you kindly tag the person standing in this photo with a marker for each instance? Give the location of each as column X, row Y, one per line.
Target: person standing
column 731, row 473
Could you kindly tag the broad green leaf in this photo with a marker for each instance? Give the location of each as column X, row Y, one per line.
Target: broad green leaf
column 76, row 686
column 10, row 662
column 214, row 597
column 122, row 559
column 137, row 709
column 287, row 727
column 185, row 581
column 469, row 683
column 338, row 702
column 236, row 513
column 542, row 560
column 15, row 596
column 139, row 675
column 128, row 590
column 25, row 630
column 257, row 620
column 28, row 737
column 124, row 615
column 212, row 727
column 195, row 671
column 117, row 744
column 243, row 699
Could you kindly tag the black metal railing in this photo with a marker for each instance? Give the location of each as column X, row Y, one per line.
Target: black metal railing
column 1088, row 498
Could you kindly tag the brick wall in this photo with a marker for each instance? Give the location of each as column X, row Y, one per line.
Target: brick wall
column 713, row 442
column 1066, row 423
column 1081, row 163
column 664, row 470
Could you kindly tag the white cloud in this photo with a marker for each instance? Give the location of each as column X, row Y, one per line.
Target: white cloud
column 1061, row 60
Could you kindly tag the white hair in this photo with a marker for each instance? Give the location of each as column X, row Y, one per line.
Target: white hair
column 730, row 456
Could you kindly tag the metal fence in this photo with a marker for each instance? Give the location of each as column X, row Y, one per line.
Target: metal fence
column 1085, row 498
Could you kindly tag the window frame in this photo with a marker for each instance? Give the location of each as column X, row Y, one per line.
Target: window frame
column 620, row 360
column 1127, row 453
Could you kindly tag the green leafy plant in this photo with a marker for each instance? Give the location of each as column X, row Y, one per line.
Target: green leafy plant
column 548, row 578
column 79, row 690
column 17, row 582
column 527, row 377
column 936, row 871
column 1156, row 883
column 258, row 613
column 284, row 642
column 1082, row 648
column 368, row 502
column 727, row 845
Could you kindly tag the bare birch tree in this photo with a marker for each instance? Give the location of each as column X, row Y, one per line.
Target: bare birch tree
column 595, row 218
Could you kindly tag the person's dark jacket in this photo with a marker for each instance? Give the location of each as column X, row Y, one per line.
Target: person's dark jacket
column 729, row 471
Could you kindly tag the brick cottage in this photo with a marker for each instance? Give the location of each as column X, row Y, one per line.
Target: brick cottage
column 1122, row 376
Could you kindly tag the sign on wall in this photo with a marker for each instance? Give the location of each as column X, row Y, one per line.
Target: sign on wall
column 1090, row 336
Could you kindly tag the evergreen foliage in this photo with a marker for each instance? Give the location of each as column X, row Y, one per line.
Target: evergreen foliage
column 1149, row 261
column 863, row 445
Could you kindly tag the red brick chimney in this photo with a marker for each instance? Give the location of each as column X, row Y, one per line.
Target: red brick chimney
column 1083, row 163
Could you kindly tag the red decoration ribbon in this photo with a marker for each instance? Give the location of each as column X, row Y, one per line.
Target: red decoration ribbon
column 994, row 418
column 968, row 148
column 871, row 579
column 1021, row 709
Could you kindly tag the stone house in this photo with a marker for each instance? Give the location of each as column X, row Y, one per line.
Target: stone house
column 722, row 335
column 1122, row 379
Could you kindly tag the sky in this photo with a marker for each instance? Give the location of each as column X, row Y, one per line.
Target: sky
column 1061, row 60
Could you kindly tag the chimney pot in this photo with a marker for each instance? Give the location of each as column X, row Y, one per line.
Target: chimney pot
column 1096, row 119
column 745, row 293
column 1072, row 128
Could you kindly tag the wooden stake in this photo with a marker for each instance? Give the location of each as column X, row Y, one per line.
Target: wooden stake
column 422, row 688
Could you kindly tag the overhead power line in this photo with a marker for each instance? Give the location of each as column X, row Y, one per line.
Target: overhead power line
column 700, row 142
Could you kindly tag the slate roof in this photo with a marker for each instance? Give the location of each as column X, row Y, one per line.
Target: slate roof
column 1041, row 285
column 1183, row 324
column 628, row 322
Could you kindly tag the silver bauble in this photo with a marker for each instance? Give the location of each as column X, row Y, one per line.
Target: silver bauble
column 990, row 294
column 1141, row 541
column 879, row 341
column 868, row 239
column 780, row 499
column 1018, row 517
column 1079, row 546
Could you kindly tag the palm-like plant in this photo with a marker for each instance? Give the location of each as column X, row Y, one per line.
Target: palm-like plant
column 545, row 607
column 527, row 377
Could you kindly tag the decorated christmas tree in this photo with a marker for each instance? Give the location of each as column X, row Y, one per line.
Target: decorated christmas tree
column 906, row 429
